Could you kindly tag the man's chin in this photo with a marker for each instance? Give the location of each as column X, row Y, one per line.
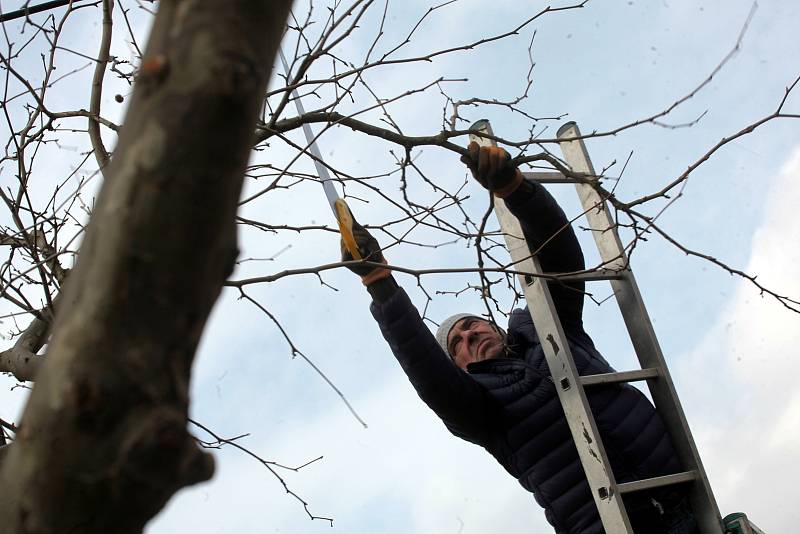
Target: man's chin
column 492, row 351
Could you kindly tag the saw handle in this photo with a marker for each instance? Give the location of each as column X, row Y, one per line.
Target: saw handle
column 362, row 246
column 345, row 219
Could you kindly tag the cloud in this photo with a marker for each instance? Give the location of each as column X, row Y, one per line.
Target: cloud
column 742, row 394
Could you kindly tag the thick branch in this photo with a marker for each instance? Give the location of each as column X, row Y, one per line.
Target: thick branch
column 441, row 139
column 21, row 359
column 21, row 363
column 333, row 117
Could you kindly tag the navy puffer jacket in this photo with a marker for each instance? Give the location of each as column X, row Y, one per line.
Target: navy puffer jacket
column 510, row 407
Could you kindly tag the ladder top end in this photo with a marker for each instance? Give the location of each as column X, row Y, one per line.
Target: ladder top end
column 566, row 126
column 479, row 124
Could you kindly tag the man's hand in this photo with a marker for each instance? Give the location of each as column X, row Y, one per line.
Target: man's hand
column 370, row 250
column 492, row 168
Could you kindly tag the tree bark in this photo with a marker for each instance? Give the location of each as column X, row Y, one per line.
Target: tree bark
column 103, row 442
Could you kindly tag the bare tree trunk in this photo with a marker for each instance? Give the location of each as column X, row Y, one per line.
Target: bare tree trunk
column 103, row 443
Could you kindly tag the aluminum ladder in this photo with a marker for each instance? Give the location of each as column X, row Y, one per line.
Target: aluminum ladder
column 570, row 386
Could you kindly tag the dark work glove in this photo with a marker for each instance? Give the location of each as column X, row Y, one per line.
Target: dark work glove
column 492, row 168
column 370, row 251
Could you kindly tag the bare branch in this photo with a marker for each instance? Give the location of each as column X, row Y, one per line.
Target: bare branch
column 270, row 466
column 100, row 152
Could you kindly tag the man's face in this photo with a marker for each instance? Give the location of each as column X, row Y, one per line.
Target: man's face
column 474, row 340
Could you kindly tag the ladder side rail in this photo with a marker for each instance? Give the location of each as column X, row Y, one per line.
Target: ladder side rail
column 566, row 380
column 572, row 397
column 641, row 330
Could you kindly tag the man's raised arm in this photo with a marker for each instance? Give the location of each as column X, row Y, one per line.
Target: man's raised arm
column 456, row 398
column 547, row 230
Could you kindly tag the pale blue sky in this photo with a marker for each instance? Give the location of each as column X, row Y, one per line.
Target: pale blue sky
column 604, row 65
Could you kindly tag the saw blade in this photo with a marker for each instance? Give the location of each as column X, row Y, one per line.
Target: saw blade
column 322, row 170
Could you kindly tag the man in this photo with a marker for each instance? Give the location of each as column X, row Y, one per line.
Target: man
column 494, row 388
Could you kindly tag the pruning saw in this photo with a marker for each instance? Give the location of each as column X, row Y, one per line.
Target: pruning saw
column 340, row 208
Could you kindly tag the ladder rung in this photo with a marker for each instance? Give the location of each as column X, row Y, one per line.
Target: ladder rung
column 615, row 378
column 548, row 177
column 657, row 482
column 592, row 276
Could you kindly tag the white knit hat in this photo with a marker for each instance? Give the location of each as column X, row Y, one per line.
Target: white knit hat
column 446, row 326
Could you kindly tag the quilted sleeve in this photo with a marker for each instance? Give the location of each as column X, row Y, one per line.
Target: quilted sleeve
column 461, row 402
column 551, row 237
